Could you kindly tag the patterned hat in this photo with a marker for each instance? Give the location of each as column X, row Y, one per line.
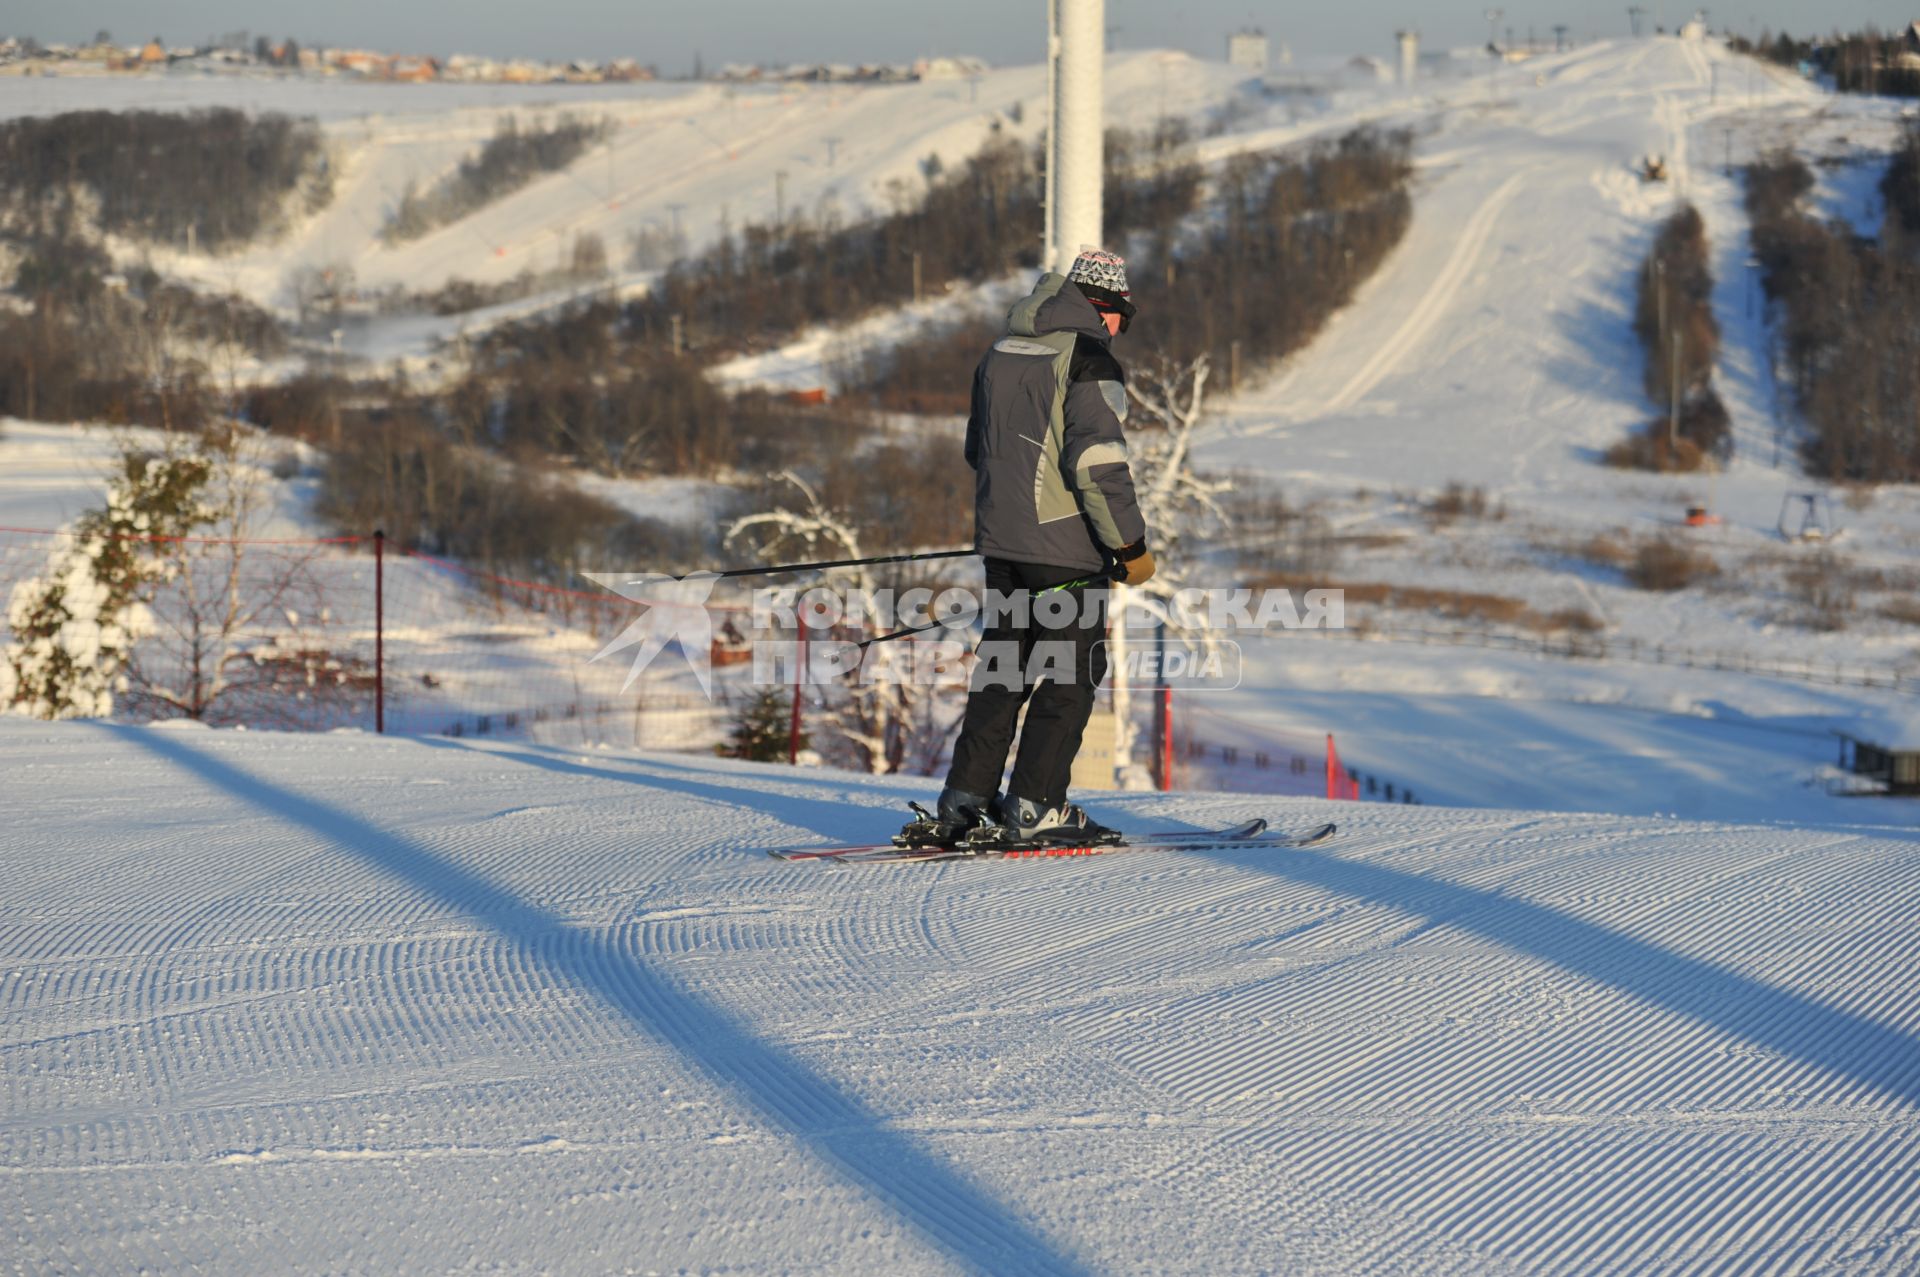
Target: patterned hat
column 1097, row 269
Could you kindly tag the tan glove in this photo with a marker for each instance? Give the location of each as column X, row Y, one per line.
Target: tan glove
column 1136, row 564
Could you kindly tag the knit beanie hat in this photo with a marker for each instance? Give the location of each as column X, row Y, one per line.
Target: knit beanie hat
column 1102, row 276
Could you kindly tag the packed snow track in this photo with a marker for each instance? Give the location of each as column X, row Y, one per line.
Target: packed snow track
column 347, row 1003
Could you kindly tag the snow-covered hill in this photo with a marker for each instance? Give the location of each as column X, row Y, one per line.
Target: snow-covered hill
column 1495, row 348
column 695, row 156
column 347, row 1003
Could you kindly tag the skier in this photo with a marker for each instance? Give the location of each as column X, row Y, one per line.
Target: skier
column 1055, row 519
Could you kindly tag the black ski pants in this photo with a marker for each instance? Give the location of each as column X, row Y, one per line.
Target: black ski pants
column 1045, row 650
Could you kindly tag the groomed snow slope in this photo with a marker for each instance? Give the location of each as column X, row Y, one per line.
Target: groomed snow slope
column 349, row 1003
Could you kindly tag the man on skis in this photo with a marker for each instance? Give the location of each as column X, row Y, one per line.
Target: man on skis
column 1055, row 520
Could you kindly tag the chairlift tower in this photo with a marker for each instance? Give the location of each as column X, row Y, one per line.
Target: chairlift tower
column 1076, row 38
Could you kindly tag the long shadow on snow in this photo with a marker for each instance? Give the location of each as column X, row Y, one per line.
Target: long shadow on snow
column 934, row 1198
column 834, row 821
column 1842, row 1043
column 828, row 819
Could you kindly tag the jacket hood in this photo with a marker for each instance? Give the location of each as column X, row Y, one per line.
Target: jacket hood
column 1054, row 306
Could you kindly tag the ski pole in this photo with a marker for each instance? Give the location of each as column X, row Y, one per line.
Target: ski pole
column 847, row 563
column 1111, row 574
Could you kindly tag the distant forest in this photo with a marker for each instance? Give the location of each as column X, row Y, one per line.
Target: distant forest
column 1282, row 245
column 978, row 222
column 1287, row 239
column 1849, row 317
column 1673, row 318
column 511, row 158
column 1865, row 62
column 216, row 176
column 474, row 466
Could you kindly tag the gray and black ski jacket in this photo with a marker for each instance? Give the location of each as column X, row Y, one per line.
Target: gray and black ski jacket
column 1051, row 482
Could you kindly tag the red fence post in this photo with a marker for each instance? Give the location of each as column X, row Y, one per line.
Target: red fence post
column 1166, row 737
column 379, row 631
column 793, row 723
column 1333, row 765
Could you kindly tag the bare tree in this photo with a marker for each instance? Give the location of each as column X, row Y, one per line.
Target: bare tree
column 1179, row 504
column 884, row 717
column 235, row 629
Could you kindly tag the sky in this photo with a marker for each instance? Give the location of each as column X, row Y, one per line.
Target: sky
column 668, row 33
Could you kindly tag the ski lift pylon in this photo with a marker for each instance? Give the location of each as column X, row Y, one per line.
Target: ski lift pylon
column 1806, row 516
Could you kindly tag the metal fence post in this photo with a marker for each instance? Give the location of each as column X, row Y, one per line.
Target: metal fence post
column 379, row 631
column 793, row 722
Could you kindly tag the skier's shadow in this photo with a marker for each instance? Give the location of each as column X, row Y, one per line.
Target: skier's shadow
column 945, row 1208
column 1840, row 1042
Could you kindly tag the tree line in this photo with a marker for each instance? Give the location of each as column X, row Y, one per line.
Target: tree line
column 1849, row 323
column 1866, row 61
column 1287, row 239
column 215, row 176
column 1673, row 318
column 510, row 159
column 89, row 344
column 978, row 221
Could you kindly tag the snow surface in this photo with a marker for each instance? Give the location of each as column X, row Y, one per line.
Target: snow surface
column 338, row 1002
column 51, row 474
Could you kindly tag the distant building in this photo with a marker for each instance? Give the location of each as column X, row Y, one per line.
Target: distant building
column 1368, row 67
column 1248, row 48
column 467, row 66
column 947, row 68
column 411, row 69
column 1892, row 761
column 1409, row 42
column 357, row 61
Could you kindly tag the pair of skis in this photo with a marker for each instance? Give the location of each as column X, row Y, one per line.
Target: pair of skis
column 1252, row 833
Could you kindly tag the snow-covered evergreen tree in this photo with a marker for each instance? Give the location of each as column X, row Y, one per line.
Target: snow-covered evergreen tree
column 74, row 627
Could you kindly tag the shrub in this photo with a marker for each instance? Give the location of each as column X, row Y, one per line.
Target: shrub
column 1606, row 550
column 1576, row 620
column 1824, row 588
column 1667, row 565
column 1455, row 501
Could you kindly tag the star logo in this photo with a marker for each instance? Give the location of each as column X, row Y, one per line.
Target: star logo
column 676, row 612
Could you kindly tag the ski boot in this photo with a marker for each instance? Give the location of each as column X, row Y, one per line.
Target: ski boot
column 957, row 816
column 1025, row 821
